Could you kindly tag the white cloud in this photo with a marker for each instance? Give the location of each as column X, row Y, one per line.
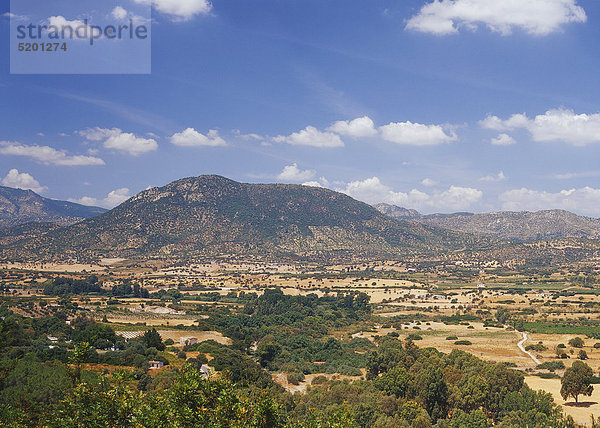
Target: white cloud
column 22, row 180
column 555, row 125
column 571, row 175
column 322, row 182
column 129, row 143
column 494, row 178
column 46, row 155
column 192, row 138
column 359, row 127
column 295, row 174
column 116, row 139
column 251, row 136
column 119, row 13
column 111, row 200
column 180, row 10
column 311, row 136
column 416, row 134
column 536, row 17
column 503, row 140
column 14, row 17
column 585, row 200
column 372, row 190
column 428, row 182
column 519, row 120
column 57, row 23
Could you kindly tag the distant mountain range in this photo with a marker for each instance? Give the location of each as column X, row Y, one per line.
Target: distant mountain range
column 517, row 226
column 212, row 215
column 23, row 206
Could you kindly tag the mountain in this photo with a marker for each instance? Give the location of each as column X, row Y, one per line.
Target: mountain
column 212, row 215
column 506, row 225
column 23, row 206
column 398, row 213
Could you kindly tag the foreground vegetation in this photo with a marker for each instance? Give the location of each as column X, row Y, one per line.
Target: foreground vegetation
column 301, row 348
column 86, row 375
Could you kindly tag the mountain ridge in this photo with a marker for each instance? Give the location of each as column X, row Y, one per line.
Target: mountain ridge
column 209, row 215
column 506, row 225
column 19, row 206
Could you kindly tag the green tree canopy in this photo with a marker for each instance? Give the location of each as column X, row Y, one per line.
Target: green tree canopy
column 576, row 381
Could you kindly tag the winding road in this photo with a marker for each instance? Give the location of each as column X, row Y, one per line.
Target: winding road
column 522, row 348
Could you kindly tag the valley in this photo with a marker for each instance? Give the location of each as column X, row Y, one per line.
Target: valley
column 484, row 312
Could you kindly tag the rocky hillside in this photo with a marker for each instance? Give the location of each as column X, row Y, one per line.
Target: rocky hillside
column 519, row 226
column 398, row 213
column 23, row 206
column 212, row 215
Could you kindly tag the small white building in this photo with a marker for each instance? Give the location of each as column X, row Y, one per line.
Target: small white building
column 156, row 364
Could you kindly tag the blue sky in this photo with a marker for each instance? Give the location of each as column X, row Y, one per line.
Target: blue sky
column 464, row 105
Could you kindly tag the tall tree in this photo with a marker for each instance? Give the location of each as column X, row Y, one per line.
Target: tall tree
column 576, row 381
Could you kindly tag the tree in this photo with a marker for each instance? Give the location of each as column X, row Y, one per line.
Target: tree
column 576, row 380
column 502, row 315
column 267, row 351
column 152, row 339
column 82, row 353
column 395, row 381
column 576, row 342
column 475, row 419
column 582, row 355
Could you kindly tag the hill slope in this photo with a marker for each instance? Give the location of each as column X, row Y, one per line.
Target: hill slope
column 520, row 226
column 23, row 206
column 212, row 215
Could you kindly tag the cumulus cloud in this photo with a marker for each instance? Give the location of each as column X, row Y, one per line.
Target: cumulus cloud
column 359, row 127
column 416, row 134
column 555, row 125
column 180, row 10
column 22, row 180
column 406, row 133
column 312, row 184
column 116, row 139
column 57, row 23
column 295, row 174
column 585, row 200
column 192, row 138
column 119, row 13
column 312, row 137
column 111, row 200
column 455, row 198
column 494, row 178
column 536, row 17
column 503, row 140
column 46, row 155
column 428, row 182
column 321, row 182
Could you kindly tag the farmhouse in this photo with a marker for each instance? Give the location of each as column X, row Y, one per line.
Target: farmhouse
column 156, row 364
